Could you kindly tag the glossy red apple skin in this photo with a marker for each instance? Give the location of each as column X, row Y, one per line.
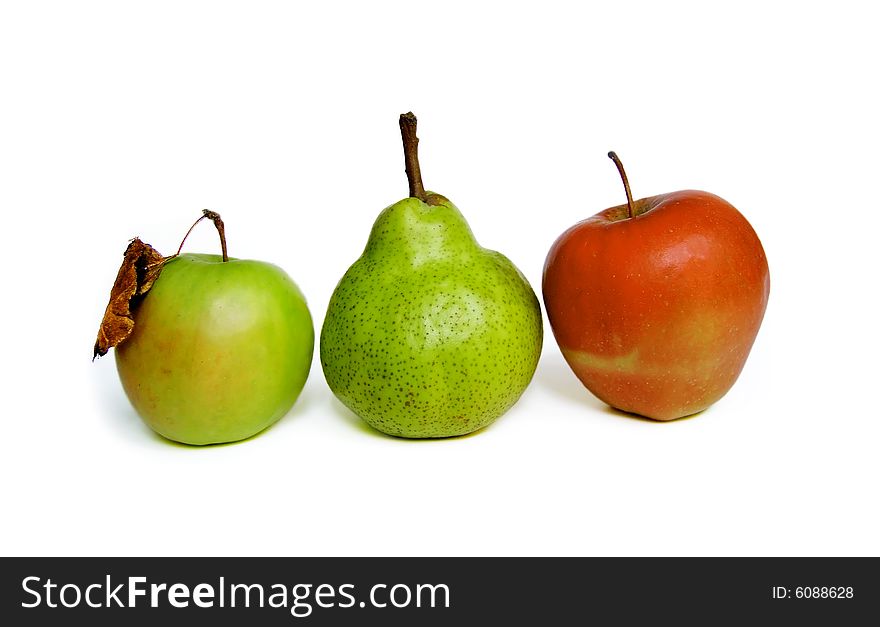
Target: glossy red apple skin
column 656, row 314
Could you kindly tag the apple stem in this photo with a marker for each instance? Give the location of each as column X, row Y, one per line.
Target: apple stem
column 214, row 217
column 408, row 124
column 629, row 199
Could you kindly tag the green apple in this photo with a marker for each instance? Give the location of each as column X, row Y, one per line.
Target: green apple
column 220, row 350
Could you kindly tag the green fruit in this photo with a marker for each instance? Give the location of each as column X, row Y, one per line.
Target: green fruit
column 428, row 334
column 219, row 351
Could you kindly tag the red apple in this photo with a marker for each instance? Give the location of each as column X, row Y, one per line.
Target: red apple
column 656, row 303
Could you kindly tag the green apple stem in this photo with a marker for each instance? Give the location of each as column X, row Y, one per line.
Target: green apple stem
column 408, row 123
column 214, row 217
column 629, row 199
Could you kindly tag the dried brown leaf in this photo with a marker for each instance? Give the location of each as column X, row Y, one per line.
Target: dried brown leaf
column 140, row 268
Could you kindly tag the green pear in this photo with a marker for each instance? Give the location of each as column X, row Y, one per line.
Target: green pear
column 428, row 334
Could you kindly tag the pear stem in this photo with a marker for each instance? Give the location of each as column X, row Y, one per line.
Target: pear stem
column 408, row 124
column 214, row 217
column 629, row 199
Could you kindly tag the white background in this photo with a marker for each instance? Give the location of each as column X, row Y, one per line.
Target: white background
column 121, row 119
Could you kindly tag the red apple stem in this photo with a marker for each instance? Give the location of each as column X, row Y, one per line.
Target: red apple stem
column 408, row 124
column 629, row 199
column 214, row 217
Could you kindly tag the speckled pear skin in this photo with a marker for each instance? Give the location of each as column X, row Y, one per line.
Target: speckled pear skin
column 429, row 335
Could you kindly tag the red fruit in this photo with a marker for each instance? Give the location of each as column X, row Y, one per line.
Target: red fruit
column 656, row 303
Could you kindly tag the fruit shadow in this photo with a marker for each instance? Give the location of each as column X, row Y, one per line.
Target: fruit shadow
column 124, row 410
column 555, row 375
column 119, row 412
column 357, row 423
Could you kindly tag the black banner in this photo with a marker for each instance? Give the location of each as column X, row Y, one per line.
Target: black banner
column 435, row 591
